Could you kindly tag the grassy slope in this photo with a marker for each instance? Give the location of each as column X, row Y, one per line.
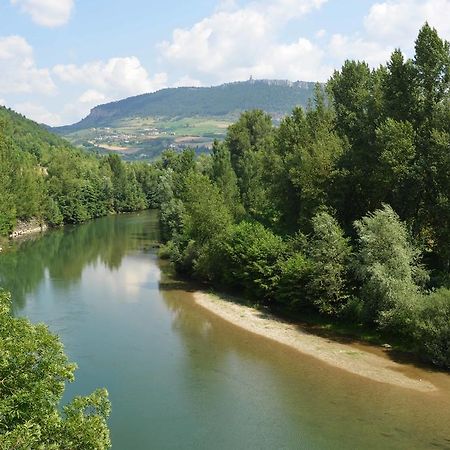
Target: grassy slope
column 181, row 117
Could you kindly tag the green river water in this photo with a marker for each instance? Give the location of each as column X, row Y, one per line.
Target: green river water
column 180, row 377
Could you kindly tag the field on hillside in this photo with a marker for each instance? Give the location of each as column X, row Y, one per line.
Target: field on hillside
column 145, row 138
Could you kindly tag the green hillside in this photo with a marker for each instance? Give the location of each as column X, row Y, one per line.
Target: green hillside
column 141, row 127
column 44, row 178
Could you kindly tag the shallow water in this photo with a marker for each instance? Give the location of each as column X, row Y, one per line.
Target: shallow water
column 180, row 377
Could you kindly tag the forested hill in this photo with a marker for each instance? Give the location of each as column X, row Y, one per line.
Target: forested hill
column 28, row 135
column 43, row 177
column 275, row 97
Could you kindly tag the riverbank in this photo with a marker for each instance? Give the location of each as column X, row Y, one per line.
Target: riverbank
column 24, row 228
column 351, row 358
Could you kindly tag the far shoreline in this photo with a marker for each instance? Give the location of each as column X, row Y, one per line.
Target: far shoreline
column 343, row 356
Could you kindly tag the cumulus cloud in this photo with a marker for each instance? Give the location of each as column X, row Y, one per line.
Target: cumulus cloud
column 398, row 20
column 38, row 113
column 388, row 25
column 343, row 47
column 113, row 78
column 19, row 73
column 92, row 96
column 234, row 43
column 106, row 81
column 48, row 13
column 187, row 81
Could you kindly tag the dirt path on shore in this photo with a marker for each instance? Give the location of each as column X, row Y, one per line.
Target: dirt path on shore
column 351, row 358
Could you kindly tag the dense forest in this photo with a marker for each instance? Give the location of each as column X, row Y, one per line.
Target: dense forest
column 46, row 178
column 342, row 211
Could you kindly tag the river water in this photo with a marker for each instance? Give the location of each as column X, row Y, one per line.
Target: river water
column 182, row 378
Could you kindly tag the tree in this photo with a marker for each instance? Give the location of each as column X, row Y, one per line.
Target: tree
column 33, row 372
column 395, row 178
column 388, row 268
column 329, row 253
column 399, row 88
column 246, row 140
column 432, row 65
column 207, row 214
column 224, row 177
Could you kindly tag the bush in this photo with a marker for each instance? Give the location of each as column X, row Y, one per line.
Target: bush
column 250, row 254
column 433, row 328
column 294, row 274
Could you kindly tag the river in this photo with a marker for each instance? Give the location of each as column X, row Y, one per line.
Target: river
column 180, row 377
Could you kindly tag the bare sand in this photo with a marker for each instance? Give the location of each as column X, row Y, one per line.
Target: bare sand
column 354, row 359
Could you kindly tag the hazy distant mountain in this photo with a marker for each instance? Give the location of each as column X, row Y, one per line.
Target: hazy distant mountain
column 277, row 97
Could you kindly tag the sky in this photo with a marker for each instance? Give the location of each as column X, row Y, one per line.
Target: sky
column 60, row 58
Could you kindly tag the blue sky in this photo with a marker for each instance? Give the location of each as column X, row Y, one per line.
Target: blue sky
column 59, row 58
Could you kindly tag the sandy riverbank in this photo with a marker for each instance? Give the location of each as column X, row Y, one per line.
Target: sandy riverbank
column 347, row 357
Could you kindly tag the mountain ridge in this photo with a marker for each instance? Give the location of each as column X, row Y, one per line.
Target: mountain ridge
column 277, row 97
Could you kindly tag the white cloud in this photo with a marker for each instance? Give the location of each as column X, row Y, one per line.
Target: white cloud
column 388, row 25
column 355, row 47
column 301, row 60
column 106, row 81
column 397, row 21
column 48, row 13
column 187, row 81
column 19, row 73
column 92, row 96
column 113, row 78
column 233, row 43
column 236, row 42
column 38, row 113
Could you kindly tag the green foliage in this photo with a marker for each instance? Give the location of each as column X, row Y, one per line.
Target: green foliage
column 223, row 175
column 310, row 150
column 432, row 330
column 388, row 265
column 292, row 286
column 329, row 252
column 44, row 178
column 250, row 254
column 249, row 141
column 207, row 215
column 432, row 65
column 33, row 372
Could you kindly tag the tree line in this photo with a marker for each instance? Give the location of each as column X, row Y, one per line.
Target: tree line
column 343, row 210
column 44, row 177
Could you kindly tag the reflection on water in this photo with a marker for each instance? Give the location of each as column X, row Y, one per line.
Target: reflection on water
column 181, row 378
column 63, row 254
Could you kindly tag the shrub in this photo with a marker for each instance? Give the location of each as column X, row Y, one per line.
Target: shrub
column 433, row 328
column 250, row 255
column 294, row 274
